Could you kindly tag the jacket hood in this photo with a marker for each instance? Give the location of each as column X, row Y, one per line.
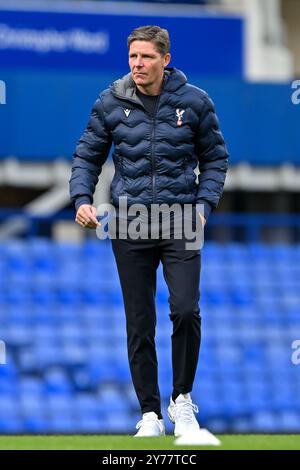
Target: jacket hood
column 126, row 88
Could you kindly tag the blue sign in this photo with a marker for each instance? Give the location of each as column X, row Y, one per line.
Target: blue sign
column 209, row 45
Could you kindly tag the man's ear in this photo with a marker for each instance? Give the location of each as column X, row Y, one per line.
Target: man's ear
column 167, row 59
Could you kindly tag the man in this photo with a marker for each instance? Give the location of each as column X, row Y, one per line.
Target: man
column 162, row 128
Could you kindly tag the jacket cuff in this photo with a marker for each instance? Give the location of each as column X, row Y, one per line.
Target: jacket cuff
column 204, row 208
column 82, row 200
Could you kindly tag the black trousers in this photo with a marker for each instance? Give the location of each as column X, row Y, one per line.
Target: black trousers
column 137, row 263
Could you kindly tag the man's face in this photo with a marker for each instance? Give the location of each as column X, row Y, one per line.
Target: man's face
column 146, row 63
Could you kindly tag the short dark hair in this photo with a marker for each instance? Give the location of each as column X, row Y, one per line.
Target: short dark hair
column 155, row 34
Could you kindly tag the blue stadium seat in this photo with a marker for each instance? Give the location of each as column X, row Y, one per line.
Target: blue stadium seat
column 59, row 424
column 32, row 386
column 36, row 425
column 57, row 382
column 8, row 406
column 121, row 423
column 289, row 422
column 109, row 398
column 91, row 425
column 265, row 422
column 12, row 425
column 239, row 426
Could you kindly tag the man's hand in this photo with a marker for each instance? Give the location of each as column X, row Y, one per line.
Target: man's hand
column 86, row 216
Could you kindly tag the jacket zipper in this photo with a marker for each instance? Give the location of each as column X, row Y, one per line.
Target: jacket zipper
column 153, row 160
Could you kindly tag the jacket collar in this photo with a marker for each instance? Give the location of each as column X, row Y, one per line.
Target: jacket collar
column 125, row 87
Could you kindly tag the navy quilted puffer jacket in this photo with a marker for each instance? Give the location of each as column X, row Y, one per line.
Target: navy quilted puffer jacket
column 154, row 157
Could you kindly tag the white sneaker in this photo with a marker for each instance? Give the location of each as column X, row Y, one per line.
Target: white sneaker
column 181, row 412
column 150, row 426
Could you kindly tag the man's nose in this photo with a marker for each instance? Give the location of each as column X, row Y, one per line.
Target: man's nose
column 139, row 62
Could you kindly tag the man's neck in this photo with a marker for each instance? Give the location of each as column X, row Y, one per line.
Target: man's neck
column 152, row 90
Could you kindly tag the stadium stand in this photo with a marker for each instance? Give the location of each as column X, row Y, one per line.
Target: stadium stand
column 64, row 326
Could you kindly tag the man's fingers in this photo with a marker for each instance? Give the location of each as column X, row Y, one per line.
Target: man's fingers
column 80, row 217
column 91, row 225
column 86, row 223
column 80, row 222
column 93, row 215
column 88, row 214
column 91, row 221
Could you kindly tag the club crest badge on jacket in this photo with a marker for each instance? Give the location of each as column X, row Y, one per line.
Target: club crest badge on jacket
column 179, row 114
